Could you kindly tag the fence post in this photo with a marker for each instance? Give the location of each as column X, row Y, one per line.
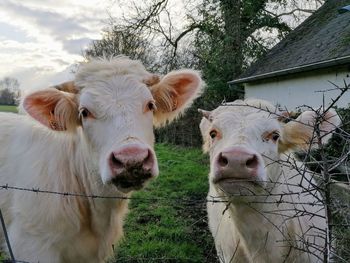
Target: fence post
column 7, row 238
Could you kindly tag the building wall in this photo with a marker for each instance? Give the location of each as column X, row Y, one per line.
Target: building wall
column 302, row 88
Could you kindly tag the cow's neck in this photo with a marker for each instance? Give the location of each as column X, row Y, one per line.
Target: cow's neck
column 103, row 228
column 88, row 175
column 258, row 228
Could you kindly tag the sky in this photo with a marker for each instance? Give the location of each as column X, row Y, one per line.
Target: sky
column 40, row 40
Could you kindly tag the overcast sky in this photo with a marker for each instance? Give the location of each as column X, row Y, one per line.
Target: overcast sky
column 40, row 39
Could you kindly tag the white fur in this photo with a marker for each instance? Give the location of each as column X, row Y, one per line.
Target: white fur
column 53, row 228
column 258, row 228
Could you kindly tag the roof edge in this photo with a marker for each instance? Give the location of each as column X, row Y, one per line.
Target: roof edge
column 297, row 69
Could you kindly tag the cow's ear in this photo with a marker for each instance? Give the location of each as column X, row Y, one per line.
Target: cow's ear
column 55, row 109
column 174, row 93
column 301, row 134
column 204, row 127
column 205, row 114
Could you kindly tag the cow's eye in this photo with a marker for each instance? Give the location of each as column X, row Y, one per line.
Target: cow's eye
column 213, row 134
column 85, row 113
column 271, row 136
column 151, row 106
column 275, row 136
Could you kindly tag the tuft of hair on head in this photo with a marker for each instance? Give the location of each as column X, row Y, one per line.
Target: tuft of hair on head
column 102, row 68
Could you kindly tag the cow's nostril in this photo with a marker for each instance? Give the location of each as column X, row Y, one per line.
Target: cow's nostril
column 115, row 162
column 252, row 162
column 148, row 161
column 222, row 160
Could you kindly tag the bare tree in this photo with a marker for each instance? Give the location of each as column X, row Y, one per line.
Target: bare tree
column 9, row 91
column 241, row 28
column 9, row 83
column 118, row 40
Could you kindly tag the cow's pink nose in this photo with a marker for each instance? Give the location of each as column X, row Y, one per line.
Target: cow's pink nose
column 237, row 162
column 132, row 156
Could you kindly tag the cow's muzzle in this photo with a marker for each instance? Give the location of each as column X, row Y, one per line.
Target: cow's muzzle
column 237, row 169
column 132, row 166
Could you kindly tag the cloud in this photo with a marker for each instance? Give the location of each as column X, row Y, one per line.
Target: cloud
column 15, row 54
column 39, row 39
column 41, row 77
column 53, row 23
column 13, row 33
column 76, row 46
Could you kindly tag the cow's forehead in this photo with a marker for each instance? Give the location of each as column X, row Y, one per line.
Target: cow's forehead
column 244, row 119
column 118, row 93
column 117, row 87
column 246, row 107
column 246, row 113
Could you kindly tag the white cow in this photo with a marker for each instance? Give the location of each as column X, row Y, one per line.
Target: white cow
column 268, row 216
column 97, row 138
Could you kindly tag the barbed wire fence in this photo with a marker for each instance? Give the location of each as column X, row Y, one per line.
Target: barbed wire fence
column 328, row 194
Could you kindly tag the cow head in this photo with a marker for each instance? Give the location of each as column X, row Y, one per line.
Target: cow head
column 114, row 104
column 245, row 140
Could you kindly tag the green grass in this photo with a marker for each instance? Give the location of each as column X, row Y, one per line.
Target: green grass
column 8, row 108
column 170, row 229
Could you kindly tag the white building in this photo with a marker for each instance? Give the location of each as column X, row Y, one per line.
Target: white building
column 314, row 57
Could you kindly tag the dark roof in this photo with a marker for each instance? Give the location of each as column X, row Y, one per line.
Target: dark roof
column 321, row 41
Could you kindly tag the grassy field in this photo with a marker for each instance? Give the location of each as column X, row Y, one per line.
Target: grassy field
column 171, row 229
column 8, row 108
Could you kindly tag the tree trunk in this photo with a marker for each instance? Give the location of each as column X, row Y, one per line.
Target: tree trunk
column 233, row 43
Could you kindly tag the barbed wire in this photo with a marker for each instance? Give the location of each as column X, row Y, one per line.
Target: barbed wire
column 213, row 199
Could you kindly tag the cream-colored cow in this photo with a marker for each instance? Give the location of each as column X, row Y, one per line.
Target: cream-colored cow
column 91, row 136
column 268, row 216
